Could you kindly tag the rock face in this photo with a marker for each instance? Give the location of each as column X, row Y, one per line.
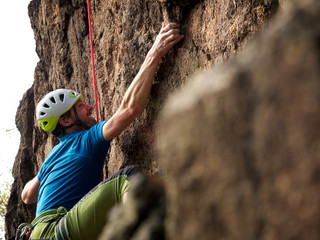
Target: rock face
column 241, row 143
column 123, row 33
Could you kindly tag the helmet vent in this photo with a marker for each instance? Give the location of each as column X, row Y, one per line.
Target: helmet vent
column 61, row 96
column 46, row 105
column 53, row 100
column 42, row 113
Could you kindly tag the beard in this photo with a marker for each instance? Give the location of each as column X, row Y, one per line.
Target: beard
column 89, row 124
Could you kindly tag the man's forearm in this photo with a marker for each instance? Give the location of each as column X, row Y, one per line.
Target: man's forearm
column 138, row 92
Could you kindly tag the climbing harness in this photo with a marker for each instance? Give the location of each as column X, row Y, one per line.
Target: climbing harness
column 49, row 217
column 23, row 231
column 92, row 60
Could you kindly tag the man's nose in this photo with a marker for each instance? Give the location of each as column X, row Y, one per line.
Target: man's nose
column 89, row 107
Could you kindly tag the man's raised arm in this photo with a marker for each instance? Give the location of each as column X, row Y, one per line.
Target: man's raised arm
column 138, row 92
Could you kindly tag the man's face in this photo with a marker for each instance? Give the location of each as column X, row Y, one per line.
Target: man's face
column 85, row 113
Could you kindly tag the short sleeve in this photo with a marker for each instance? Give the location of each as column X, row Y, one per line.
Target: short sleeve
column 92, row 141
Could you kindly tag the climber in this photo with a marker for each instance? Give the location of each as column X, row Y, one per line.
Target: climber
column 66, row 208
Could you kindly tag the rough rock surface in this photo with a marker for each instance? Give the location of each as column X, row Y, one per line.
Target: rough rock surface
column 123, row 32
column 241, row 143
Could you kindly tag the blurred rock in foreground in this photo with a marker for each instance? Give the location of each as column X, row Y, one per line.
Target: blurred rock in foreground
column 241, row 143
column 141, row 217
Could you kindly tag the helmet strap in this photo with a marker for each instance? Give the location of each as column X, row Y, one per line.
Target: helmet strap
column 78, row 122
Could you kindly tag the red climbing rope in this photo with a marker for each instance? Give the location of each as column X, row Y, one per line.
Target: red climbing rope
column 92, row 60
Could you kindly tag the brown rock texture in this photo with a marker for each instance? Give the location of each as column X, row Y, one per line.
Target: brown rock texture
column 123, row 32
column 241, row 143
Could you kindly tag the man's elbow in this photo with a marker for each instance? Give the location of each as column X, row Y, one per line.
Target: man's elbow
column 27, row 199
column 133, row 111
column 29, row 193
column 132, row 108
column 136, row 111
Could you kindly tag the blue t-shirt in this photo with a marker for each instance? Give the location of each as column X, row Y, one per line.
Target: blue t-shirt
column 72, row 169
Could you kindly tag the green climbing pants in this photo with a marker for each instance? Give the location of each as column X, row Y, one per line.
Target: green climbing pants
column 87, row 218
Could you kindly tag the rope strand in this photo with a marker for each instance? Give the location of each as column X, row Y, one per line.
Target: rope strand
column 92, row 60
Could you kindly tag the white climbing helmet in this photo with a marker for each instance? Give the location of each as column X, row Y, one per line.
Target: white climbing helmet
column 53, row 105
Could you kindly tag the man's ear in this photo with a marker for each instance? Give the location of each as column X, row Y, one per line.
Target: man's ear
column 65, row 121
